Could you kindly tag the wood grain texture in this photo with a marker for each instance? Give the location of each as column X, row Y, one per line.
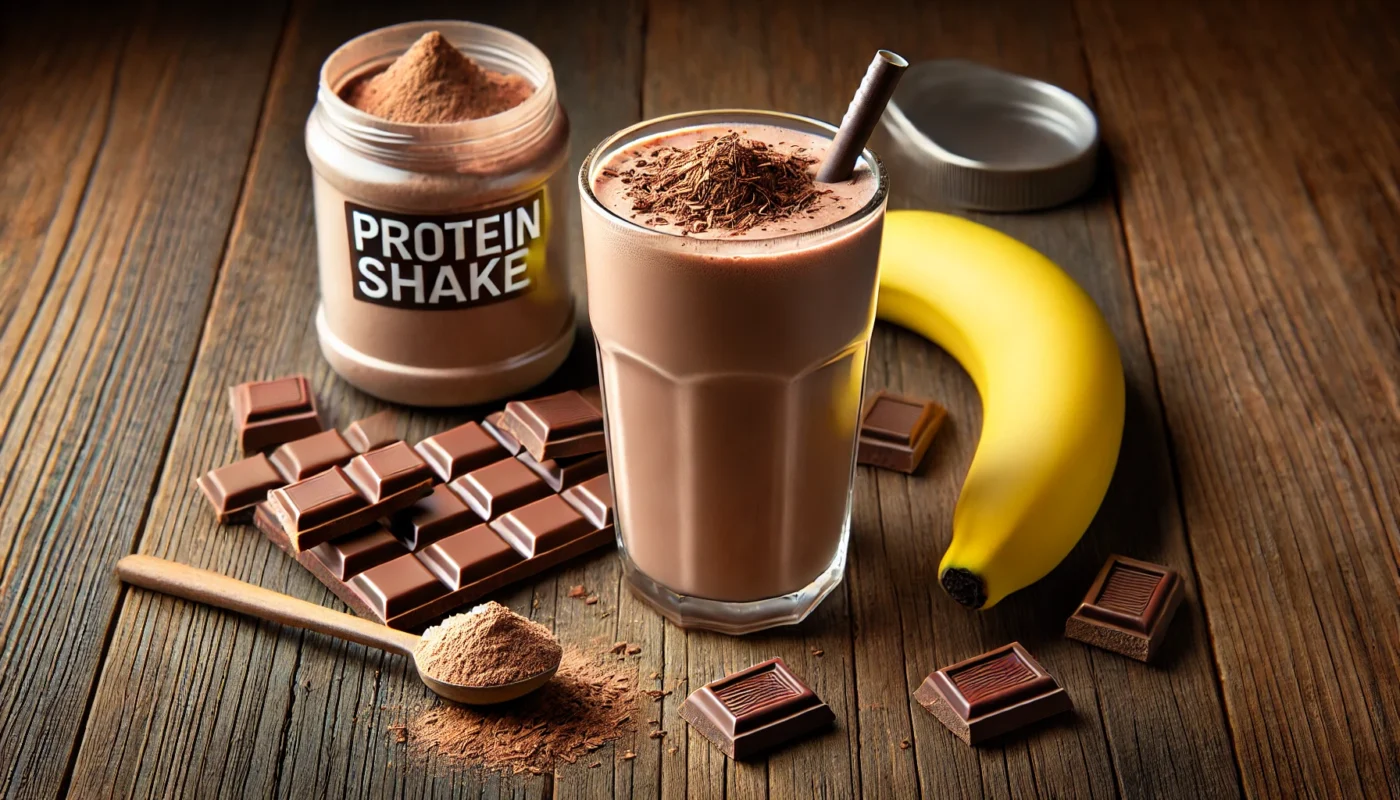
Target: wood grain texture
column 1259, row 195
column 206, row 703
column 125, row 137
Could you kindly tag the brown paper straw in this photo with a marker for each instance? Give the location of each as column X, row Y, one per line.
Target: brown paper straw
column 862, row 116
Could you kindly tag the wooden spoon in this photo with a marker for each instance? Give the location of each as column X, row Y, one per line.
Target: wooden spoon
column 211, row 588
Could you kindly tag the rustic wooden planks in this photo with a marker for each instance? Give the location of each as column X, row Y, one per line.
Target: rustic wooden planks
column 210, row 703
column 1259, row 162
column 124, row 139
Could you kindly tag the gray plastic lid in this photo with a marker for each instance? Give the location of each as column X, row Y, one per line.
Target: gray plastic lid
column 994, row 140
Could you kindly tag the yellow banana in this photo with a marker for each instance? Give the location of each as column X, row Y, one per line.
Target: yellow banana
column 1051, row 381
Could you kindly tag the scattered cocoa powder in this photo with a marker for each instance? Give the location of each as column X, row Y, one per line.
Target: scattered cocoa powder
column 487, row 646
column 434, row 82
column 725, row 182
column 582, row 708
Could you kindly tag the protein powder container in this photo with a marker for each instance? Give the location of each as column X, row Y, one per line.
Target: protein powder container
column 442, row 245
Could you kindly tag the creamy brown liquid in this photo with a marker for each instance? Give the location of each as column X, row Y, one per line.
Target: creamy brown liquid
column 732, row 382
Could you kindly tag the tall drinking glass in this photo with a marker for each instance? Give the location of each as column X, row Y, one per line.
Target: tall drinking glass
column 732, row 367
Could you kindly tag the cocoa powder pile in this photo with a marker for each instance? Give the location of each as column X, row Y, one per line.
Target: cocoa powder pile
column 434, row 83
column 487, row 646
column 725, row 182
column 586, row 705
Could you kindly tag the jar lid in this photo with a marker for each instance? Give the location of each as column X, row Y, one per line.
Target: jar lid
column 994, row 140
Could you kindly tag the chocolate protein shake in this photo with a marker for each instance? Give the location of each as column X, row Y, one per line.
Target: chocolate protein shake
column 732, row 299
column 438, row 152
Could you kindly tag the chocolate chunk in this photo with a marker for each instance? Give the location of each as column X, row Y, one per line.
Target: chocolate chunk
column 396, row 586
column 388, row 470
column 542, row 526
column 440, row 513
column 504, row 486
column 233, row 490
column 269, row 413
column 1128, row 608
column 565, row 471
column 350, row 555
column 373, row 432
column 306, row 457
column 316, row 500
column 466, row 557
column 329, row 505
column 755, row 710
column 492, row 425
column 992, row 694
column 593, row 499
column 896, row 431
column 460, row 450
column 562, row 424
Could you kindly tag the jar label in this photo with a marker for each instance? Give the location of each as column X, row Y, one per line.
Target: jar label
column 447, row 262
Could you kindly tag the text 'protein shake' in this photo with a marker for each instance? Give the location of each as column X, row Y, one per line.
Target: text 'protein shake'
column 732, row 299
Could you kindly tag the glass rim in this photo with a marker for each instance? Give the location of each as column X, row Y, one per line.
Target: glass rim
column 677, row 122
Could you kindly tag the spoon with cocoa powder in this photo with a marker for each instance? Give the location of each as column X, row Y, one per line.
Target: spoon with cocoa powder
column 485, row 656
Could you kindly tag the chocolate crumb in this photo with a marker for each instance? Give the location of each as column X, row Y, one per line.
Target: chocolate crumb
column 578, row 591
column 595, row 765
column 657, row 734
column 618, row 648
column 400, row 733
column 724, row 182
column 591, row 600
column 817, row 651
column 673, row 750
column 904, row 744
column 628, row 756
column 633, row 649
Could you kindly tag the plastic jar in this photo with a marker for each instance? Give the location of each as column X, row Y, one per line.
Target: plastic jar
column 442, row 248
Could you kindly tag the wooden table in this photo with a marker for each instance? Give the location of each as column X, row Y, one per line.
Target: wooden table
column 156, row 245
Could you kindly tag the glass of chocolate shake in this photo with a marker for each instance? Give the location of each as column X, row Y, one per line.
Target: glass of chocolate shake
column 732, row 298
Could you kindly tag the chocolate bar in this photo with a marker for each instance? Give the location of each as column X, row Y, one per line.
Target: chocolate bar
column 992, row 694
column 566, row 471
column 373, row 432
column 593, row 395
column 303, row 458
column 563, row 424
column 1128, row 608
column 500, row 487
column 339, row 501
column 269, row 413
column 755, row 710
column 457, row 451
column 896, row 431
column 234, row 489
column 481, row 566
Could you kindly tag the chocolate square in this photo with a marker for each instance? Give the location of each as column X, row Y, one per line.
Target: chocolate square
column 269, row 413
column 542, row 526
column 316, row 500
column 500, row 487
column 234, row 489
column 992, row 694
column 354, row 553
column 466, row 557
column 562, row 424
column 387, row 471
column 1128, row 608
column 303, row 458
column 438, row 514
column 896, row 431
column 460, row 450
column 396, row 586
column 593, row 499
column 492, row 425
column 755, row 710
column 373, row 432
column 593, row 395
column 565, row 471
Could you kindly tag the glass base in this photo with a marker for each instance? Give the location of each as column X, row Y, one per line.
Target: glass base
column 737, row 618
